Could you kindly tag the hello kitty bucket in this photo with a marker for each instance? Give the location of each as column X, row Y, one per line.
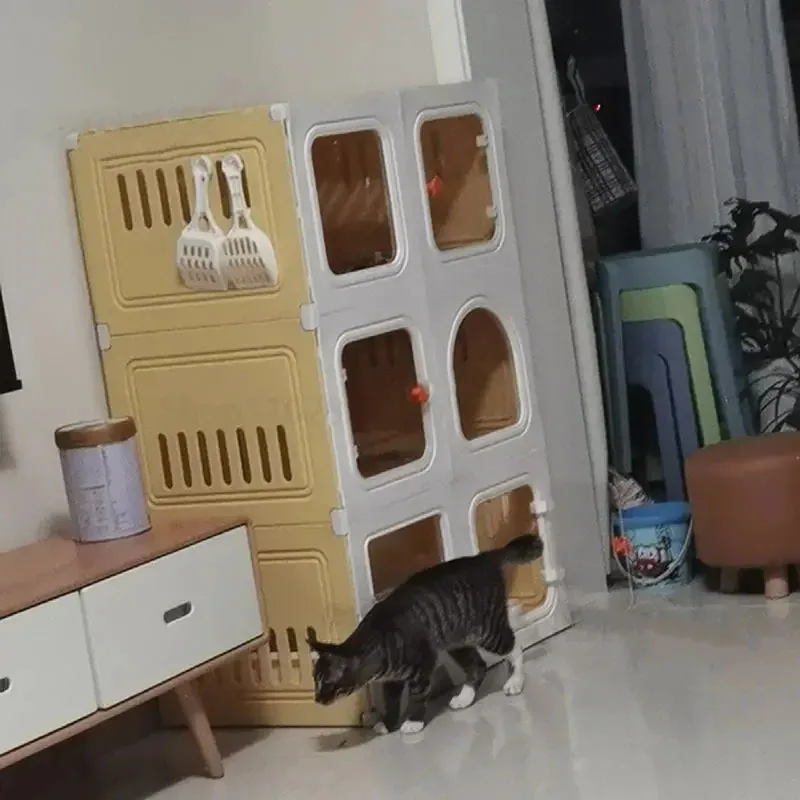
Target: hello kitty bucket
column 651, row 545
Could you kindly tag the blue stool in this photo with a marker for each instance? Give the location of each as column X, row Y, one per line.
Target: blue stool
column 649, row 370
column 694, row 265
column 665, row 338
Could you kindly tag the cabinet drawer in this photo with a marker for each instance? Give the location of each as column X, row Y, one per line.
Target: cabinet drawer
column 45, row 673
column 158, row 620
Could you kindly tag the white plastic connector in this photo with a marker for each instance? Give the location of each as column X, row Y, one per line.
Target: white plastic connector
column 309, row 316
column 539, row 507
column 72, row 141
column 482, row 140
column 339, row 522
column 278, row 112
column 103, row 335
column 553, row 576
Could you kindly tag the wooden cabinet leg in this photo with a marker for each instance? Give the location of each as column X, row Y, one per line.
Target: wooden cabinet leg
column 192, row 707
column 776, row 582
column 729, row 580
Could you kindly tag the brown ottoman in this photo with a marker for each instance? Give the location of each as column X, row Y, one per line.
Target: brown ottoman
column 745, row 498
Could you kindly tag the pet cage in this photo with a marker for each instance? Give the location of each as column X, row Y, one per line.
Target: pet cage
column 373, row 413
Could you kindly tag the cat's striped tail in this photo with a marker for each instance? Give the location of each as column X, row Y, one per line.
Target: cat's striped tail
column 522, row 550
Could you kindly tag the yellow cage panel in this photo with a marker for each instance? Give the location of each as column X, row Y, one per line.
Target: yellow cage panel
column 229, row 417
column 225, row 387
column 134, row 194
column 251, row 442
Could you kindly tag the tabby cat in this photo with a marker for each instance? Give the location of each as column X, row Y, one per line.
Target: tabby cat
column 458, row 607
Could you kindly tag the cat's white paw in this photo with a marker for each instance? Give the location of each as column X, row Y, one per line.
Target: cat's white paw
column 514, row 685
column 370, row 718
column 380, row 728
column 411, row 726
column 464, row 699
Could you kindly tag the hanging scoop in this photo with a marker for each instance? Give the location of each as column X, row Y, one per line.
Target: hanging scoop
column 248, row 255
column 199, row 251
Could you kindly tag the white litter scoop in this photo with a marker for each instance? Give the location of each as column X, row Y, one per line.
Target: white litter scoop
column 248, row 255
column 199, row 253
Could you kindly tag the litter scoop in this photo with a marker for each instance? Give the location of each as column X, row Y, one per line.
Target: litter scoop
column 199, row 252
column 248, row 256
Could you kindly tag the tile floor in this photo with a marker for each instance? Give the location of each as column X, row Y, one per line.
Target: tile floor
column 695, row 697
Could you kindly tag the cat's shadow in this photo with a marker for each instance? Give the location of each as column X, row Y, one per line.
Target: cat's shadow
column 344, row 740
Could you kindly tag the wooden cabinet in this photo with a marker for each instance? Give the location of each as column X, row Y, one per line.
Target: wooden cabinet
column 88, row 631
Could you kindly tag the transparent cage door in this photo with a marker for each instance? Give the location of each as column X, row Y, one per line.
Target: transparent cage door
column 385, row 421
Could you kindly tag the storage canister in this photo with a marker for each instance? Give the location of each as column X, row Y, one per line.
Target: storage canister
column 103, row 479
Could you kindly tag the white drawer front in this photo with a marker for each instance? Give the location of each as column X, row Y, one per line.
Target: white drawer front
column 45, row 673
column 156, row 621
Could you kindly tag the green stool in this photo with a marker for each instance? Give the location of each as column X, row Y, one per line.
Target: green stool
column 679, row 303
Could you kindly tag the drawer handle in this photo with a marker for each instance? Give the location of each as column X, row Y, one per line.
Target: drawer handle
column 177, row 612
column 5, row 685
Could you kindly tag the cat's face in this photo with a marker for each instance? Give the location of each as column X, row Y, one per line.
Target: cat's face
column 335, row 674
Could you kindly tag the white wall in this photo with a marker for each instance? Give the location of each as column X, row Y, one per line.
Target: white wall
column 70, row 66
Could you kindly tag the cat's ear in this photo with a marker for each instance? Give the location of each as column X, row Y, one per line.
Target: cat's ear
column 317, row 647
column 311, row 641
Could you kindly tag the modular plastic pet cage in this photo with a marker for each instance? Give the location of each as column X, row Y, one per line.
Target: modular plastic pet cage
column 373, row 413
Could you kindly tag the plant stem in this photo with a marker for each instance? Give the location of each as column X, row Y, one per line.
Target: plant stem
column 793, row 303
column 779, row 278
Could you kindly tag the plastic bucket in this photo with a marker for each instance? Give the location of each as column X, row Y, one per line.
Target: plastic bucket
column 653, row 545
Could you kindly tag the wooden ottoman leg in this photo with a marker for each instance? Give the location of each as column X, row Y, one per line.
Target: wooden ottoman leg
column 192, row 707
column 729, row 580
column 776, row 582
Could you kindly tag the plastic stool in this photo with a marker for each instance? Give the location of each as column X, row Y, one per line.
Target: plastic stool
column 678, row 303
column 665, row 338
column 694, row 265
column 691, row 265
column 649, row 371
column 746, row 506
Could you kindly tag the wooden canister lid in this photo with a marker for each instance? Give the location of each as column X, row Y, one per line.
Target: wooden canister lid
column 92, row 434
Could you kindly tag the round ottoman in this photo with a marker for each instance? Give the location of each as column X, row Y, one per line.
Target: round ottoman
column 745, row 499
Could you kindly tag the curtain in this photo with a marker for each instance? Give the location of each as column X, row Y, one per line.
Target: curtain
column 713, row 112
